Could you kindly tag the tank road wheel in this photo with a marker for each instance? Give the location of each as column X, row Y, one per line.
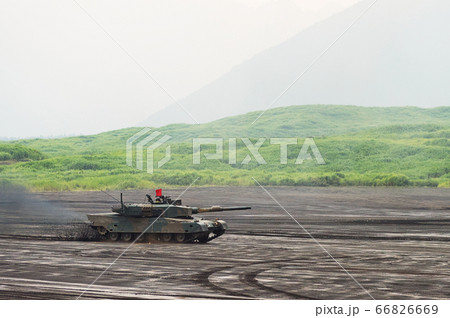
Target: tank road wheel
column 113, row 236
column 150, row 237
column 166, row 237
column 127, row 237
column 180, row 237
column 101, row 230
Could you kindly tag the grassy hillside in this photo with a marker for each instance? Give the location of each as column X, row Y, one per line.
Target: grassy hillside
column 404, row 146
column 292, row 121
column 10, row 153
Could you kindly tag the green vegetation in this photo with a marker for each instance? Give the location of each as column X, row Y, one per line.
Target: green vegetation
column 401, row 146
column 9, row 152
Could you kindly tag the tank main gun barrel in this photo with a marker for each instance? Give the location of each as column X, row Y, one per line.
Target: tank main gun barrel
column 219, row 209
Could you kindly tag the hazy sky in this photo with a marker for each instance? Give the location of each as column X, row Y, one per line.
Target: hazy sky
column 61, row 74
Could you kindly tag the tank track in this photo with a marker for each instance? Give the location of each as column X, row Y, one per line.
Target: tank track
column 161, row 237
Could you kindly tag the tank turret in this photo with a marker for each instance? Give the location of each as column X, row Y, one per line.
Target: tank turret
column 160, row 219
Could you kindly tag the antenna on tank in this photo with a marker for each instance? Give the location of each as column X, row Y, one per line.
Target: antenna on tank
column 111, row 195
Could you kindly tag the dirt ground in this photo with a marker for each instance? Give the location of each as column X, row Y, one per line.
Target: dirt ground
column 392, row 242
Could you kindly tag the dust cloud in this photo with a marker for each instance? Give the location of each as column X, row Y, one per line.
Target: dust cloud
column 24, row 213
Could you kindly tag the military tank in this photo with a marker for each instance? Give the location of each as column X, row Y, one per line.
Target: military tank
column 162, row 219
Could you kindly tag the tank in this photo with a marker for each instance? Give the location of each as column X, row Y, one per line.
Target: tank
column 162, row 219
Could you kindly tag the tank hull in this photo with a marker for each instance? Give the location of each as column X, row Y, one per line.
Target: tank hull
column 187, row 229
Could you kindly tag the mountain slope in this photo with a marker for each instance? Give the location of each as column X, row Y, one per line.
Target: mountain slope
column 360, row 145
column 396, row 54
column 292, row 121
